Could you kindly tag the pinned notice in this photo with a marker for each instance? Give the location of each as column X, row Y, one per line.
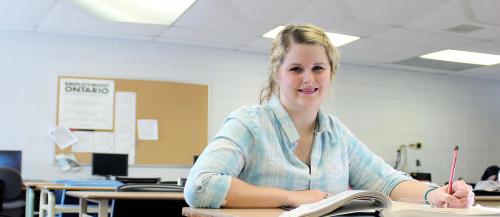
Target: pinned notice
column 63, row 137
column 147, row 129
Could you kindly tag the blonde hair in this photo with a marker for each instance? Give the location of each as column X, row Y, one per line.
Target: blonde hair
column 295, row 34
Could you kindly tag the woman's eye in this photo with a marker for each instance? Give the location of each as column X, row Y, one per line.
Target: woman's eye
column 317, row 68
column 295, row 69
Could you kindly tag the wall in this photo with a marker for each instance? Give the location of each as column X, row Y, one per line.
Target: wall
column 383, row 107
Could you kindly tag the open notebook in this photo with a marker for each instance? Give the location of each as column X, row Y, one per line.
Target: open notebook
column 353, row 201
column 365, row 202
column 400, row 209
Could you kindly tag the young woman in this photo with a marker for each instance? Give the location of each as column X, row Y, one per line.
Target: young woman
column 287, row 152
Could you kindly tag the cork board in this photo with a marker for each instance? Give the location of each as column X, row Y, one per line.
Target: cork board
column 182, row 113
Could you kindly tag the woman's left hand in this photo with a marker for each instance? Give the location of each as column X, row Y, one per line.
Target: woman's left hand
column 461, row 197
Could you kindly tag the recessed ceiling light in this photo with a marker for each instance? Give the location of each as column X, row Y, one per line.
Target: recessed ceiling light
column 336, row 39
column 464, row 57
column 162, row 12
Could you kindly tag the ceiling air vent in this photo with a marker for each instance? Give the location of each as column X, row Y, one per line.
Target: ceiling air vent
column 463, row 28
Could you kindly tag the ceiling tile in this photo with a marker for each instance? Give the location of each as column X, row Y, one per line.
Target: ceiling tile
column 414, row 68
column 494, row 69
column 268, row 11
column 254, row 50
column 391, row 12
column 233, row 40
column 486, row 11
column 66, row 17
column 334, row 16
column 394, row 47
column 435, row 64
column 453, row 14
column 221, row 15
column 390, row 30
column 424, row 38
column 259, row 45
column 490, row 47
column 375, row 57
column 23, row 14
column 489, row 72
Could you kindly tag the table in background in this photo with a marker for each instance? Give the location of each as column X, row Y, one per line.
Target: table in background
column 48, row 199
column 29, row 187
column 102, row 198
column 487, row 200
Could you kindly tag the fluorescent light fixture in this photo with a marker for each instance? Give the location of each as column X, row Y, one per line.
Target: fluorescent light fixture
column 341, row 39
column 336, row 39
column 273, row 33
column 162, row 12
column 464, row 57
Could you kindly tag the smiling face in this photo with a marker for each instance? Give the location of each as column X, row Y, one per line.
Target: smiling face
column 304, row 77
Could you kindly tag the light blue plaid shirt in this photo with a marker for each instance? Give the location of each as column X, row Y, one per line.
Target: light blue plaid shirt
column 256, row 144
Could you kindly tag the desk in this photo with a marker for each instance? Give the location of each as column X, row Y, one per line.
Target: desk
column 398, row 210
column 102, row 198
column 487, row 200
column 197, row 212
column 29, row 187
column 48, row 200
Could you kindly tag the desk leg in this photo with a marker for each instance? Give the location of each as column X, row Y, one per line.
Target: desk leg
column 83, row 207
column 30, row 202
column 51, row 206
column 43, row 203
column 103, row 207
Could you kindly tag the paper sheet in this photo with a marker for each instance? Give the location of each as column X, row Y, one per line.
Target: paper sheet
column 147, row 129
column 86, row 103
column 103, row 142
column 85, row 142
column 125, row 118
column 99, row 142
column 63, row 137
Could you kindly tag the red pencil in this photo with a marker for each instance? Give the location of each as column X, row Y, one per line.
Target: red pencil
column 452, row 172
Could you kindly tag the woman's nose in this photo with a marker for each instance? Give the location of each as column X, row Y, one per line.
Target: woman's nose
column 307, row 76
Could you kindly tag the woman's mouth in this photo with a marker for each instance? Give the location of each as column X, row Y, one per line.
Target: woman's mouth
column 310, row 90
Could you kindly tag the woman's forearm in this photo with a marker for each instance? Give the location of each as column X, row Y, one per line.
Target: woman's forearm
column 409, row 191
column 242, row 194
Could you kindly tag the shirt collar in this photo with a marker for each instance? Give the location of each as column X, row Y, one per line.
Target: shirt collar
column 286, row 122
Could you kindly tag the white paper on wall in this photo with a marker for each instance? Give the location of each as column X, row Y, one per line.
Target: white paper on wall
column 85, row 143
column 86, row 103
column 125, row 118
column 103, row 142
column 147, row 129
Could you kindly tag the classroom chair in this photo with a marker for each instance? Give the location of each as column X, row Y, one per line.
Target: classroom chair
column 10, row 191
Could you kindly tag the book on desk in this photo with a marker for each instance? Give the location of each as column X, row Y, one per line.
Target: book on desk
column 372, row 203
column 347, row 202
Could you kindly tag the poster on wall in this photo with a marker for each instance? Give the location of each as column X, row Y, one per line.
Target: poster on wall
column 86, row 103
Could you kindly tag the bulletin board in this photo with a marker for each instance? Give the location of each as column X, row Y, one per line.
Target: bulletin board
column 182, row 113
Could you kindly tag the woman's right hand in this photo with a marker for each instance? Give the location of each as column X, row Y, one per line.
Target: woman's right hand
column 297, row 198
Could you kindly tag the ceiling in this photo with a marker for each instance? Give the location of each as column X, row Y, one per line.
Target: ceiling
column 393, row 32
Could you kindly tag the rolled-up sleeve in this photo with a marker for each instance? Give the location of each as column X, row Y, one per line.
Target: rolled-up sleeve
column 210, row 178
column 367, row 170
